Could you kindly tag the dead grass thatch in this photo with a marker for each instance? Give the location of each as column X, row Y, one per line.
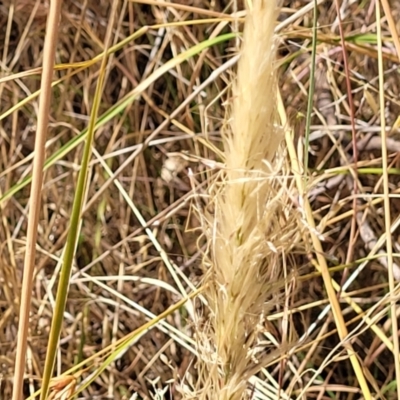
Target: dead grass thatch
column 128, row 270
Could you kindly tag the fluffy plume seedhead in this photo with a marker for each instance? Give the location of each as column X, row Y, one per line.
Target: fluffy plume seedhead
column 251, row 226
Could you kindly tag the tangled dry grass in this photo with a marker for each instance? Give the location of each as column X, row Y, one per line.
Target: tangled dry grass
column 159, row 129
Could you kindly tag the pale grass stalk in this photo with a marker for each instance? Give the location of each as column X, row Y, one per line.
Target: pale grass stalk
column 386, row 199
column 251, row 227
column 330, row 285
column 35, row 197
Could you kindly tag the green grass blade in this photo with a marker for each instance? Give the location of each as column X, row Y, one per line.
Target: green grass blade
column 74, row 228
column 312, row 87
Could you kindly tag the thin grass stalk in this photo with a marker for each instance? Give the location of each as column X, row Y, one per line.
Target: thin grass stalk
column 35, row 196
column 321, row 265
column 250, row 227
column 63, row 286
column 311, row 90
column 386, row 202
column 354, row 171
column 392, row 26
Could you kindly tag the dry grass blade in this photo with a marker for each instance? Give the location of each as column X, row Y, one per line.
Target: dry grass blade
column 322, row 267
column 386, row 202
column 35, row 198
column 392, row 26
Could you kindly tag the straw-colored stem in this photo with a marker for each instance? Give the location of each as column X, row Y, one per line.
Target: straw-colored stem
column 35, row 198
